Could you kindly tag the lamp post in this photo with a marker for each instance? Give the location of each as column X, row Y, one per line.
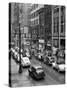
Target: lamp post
column 20, row 66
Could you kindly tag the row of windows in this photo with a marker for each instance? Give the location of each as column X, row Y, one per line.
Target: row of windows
column 56, row 21
column 56, row 25
column 56, row 10
column 33, row 15
column 42, row 19
column 34, row 31
column 35, row 22
column 25, row 35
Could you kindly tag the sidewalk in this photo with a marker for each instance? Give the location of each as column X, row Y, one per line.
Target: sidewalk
column 14, row 67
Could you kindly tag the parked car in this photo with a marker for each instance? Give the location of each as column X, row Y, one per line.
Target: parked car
column 36, row 71
column 51, row 60
column 55, row 65
column 48, row 60
column 17, row 50
column 40, row 56
column 25, row 61
column 28, row 55
column 59, row 66
column 12, row 52
column 15, row 55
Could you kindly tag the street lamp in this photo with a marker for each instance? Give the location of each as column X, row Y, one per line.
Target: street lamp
column 20, row 66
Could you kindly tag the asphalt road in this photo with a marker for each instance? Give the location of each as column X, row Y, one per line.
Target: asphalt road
column 24, row 80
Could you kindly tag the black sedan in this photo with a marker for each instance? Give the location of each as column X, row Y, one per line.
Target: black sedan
column 36, row 71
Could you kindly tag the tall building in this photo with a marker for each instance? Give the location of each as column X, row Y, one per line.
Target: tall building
column 14, row 22
column 20, row 14
column 52, row 25
column 48, row 23
column 34, row 22
column 45, row 25
column 24, row 18
column 58, row 26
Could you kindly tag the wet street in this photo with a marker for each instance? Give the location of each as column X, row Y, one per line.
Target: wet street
column 52, row 77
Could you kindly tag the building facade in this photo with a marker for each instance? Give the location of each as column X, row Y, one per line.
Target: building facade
column 20, row 15
column 48, row 23
column 45, row 25
column 34, row 22
column 58, row 26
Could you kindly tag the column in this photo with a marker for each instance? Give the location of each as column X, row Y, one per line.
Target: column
column 59, row 24
column 52, row 28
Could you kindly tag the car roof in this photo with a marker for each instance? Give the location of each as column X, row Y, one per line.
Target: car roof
column 36, row 66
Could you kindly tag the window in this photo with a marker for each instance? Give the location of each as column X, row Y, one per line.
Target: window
column 62, row 27
column 62, row 9
column 32, row 23
column 56, row 24
column 62, row 19
column 56, row 10
column 36, row 22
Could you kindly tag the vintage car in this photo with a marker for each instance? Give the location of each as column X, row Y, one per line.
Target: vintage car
column 36, row 72
column 25, row 61
column 48, row 60
column 28, row 55
column 40, row 56
column 59, row 66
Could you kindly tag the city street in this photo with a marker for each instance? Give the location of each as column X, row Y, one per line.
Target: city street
column 18, row 80
column 36, row 30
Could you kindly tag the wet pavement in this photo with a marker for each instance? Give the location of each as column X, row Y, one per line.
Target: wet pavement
column 24, row 80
